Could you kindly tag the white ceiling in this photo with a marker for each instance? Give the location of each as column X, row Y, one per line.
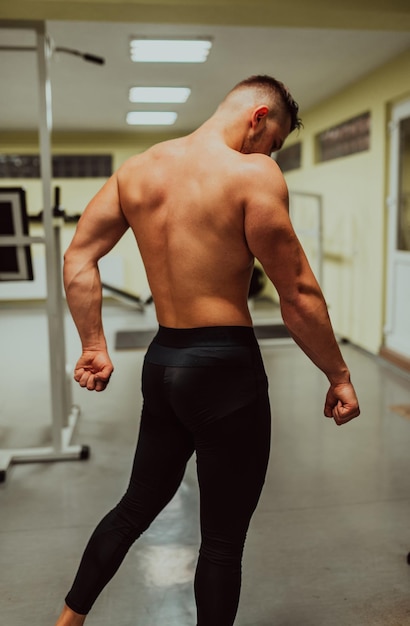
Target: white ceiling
column 314, row 63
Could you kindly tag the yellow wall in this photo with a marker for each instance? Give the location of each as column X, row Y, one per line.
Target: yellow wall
column 354, row 192
column 75, row 194
column 362, row 14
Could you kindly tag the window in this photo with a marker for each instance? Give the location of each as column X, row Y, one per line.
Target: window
column 351, row 137
column 289, row 158
column 64, row 166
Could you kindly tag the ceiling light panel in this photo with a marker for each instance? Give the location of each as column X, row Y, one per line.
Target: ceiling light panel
column 159, row 94
column 151, row 118
column 170, row 50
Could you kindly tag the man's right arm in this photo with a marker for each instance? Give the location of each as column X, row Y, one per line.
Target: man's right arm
column 100, row 227
column 272, row 240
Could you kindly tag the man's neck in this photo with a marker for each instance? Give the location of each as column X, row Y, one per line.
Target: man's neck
column 230, row 132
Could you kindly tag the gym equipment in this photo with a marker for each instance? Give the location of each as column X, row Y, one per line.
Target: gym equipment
column 15, row 259
column 64, row 414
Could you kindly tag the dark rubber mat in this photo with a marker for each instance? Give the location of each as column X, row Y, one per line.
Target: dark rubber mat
column 140, row 339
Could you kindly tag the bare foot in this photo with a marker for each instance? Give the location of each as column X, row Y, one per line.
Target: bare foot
column 70, row 618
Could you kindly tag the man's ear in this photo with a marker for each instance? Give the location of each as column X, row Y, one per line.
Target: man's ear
column 259, row 114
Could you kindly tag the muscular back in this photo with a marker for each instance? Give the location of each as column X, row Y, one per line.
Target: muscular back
column 185, row 205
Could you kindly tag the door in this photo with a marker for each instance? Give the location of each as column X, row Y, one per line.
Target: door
column 397, row 330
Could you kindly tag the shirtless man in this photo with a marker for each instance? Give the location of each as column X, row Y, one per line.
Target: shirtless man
column 201, row 207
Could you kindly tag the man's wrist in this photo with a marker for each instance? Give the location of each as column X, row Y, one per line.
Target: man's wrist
column 341, row 377
column 95, row 346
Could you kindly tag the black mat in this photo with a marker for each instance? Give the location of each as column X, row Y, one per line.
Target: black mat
column 271, row 331
column 140, row 339
column 133, row 339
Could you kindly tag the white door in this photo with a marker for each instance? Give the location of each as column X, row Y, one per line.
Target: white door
column 397, row 331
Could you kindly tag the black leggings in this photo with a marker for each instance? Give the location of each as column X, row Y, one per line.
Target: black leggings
column 205, row 390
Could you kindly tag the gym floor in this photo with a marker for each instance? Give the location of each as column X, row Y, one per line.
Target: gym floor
column 327, row 545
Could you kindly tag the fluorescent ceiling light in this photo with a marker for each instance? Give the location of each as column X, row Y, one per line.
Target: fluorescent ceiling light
column 159, row 94
column 170, row 50
column 151, row 118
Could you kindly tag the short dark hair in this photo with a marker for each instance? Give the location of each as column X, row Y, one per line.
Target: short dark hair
column 275, row 87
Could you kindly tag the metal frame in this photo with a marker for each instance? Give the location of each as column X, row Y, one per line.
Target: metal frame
column 316, row 233
column 64, row 414
column 15, row 197
column 400, row 111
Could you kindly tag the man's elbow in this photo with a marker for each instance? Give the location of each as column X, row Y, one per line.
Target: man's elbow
column 69, row 255
column 301, row 303
column 74, row 267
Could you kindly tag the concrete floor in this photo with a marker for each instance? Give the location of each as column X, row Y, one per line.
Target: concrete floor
column 327, row 545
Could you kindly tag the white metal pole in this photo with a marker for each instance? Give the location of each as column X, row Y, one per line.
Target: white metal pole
column 53, row 260
column 64, row 415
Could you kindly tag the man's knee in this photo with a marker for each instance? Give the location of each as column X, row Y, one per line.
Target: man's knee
column 223, row 551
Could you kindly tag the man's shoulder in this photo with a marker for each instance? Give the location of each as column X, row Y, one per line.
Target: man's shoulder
column 155, row 151
column 260, row 172
column 265, row 164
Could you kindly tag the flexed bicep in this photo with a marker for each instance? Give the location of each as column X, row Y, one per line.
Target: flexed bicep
column 272, row 239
